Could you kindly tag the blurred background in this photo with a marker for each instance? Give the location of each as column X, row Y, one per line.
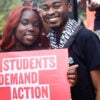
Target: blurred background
column 5, row 7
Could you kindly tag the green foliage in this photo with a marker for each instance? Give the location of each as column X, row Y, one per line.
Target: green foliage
column 39, row 2
column 5, row 7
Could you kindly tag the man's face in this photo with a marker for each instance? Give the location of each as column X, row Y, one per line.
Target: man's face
column 55, row 12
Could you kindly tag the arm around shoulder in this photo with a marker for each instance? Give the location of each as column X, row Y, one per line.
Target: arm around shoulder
column 92, row 6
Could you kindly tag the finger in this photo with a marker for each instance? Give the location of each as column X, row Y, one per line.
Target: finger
column 72, row 77
column 71, row 71
column 73, row 67
column 72, row 83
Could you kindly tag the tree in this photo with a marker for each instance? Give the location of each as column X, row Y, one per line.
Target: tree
column 5, row 7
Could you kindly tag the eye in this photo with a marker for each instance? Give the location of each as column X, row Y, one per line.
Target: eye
column 57, row 5
column 24, row 22
column 45, row 8
column 36, row 24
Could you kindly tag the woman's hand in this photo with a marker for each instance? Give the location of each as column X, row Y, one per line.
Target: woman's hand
column 92, row 5
column 72, row 75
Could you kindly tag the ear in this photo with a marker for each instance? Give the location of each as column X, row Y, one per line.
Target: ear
column 69, row 7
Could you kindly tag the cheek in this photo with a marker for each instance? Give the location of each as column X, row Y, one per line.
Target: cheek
column 19, row 32
column 63, row 16
column 37, row 31
column 63, row 11
column 20, row 28
column 43, row 13
column 44, row 16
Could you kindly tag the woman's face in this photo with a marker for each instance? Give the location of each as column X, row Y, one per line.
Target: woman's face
column 28, row 28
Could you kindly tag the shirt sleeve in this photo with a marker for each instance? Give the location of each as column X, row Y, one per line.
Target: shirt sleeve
column 92, row 51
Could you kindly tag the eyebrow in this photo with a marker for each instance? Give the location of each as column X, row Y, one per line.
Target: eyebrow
column 55, row 1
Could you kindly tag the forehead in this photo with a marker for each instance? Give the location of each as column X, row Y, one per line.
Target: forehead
column 29, row 14
column 52, row 1
column 28, row 0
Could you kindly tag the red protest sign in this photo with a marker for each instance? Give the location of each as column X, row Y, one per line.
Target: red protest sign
column 34, row 75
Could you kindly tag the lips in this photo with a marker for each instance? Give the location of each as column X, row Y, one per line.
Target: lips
column 53, row 20
column 30, row 36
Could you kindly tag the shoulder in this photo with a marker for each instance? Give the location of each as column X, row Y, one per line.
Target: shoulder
column 85, row 34
column 86, row 39
column 98, row 9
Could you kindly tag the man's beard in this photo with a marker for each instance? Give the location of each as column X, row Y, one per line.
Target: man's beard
column 61, row 25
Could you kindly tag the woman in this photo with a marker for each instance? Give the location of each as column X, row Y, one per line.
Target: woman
column 22, row 30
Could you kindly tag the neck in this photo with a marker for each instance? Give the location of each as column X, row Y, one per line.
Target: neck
column 21, row 47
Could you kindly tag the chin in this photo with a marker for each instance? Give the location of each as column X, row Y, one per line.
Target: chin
column 54, row 26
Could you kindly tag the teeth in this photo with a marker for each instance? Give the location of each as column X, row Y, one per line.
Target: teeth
column 30, row 36
column 53, row 19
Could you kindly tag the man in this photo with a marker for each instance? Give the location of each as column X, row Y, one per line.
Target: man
column 93, row 6
column 84, row 50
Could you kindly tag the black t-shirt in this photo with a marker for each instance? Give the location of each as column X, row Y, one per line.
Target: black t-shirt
column 97, row 20
column 85, row 51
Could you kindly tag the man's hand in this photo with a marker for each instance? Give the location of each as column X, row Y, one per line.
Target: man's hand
column 72, row 75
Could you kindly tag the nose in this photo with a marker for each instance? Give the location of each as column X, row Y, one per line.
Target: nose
column 51, row 12
column 30, row 28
